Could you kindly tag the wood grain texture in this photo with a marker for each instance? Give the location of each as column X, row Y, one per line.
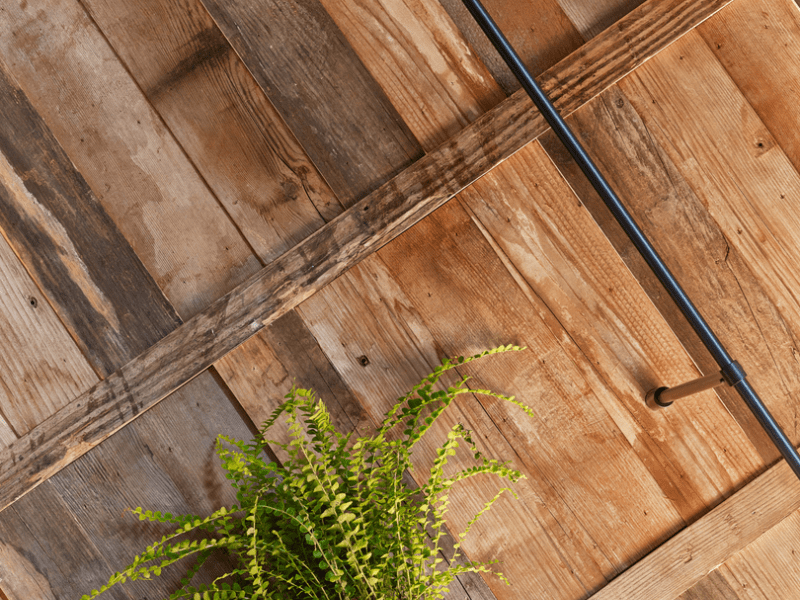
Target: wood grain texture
column 692, row 554
column 312, row 76
column 559, row 254
column 712, row 272
column 375, row 220
column 768, row 568
column 758, row 43
column 73, row 251
column 41, row 367
column 422, row 63
column 221, row 118
column 140, row 175
column 590, row 18
column 734, row 166
column 539, row 31
column 712, row 587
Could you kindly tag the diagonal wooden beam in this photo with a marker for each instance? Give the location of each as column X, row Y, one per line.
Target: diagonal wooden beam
column 696, row 551
column 342, row 243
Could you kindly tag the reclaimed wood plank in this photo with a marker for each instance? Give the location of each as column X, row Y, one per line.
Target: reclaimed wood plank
column 42, row 367
column 221, row 118
column 692, row 554
column 68, row 243
column 379, row 217
column 590, row 18
column 712, row 587
column 730, row 296
column 540, row 32
column 734, row 166
column 313, row 77
column 767, row 568
column 122, row 148
column 427, row 71
column 550, row 240
column 746, row 38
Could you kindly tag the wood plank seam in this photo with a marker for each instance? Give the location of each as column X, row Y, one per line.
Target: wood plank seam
column 323, row 256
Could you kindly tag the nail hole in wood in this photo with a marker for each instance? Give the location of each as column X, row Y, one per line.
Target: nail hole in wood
column 34, row 302
column 363, row 360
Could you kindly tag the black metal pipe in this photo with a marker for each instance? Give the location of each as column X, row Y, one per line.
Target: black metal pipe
column 731, row 370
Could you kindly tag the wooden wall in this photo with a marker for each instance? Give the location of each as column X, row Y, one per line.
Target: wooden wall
column 206, row 200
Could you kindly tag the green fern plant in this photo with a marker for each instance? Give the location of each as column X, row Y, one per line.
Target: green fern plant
column 334, row 521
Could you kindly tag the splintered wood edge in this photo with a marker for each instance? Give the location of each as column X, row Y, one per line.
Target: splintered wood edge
column 361, row 230
column 696, row 551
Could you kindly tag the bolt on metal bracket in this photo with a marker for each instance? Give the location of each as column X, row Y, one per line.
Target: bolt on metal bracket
column 662, row 397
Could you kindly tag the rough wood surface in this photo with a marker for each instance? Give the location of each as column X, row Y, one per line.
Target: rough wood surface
column 691, row 555
column 428, row 72
column 768, row 568
column 221, row 118
column 550, row 240
column 539, row 30
column 72, row 249
column 712, row 587
column 758, row 43
column 312, row 76
column 734, row 166
column 366, row 226
column 590, row 18
column 122, row 148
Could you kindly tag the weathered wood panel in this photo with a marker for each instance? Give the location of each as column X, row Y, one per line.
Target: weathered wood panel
column 221, row 118
column 732, row 163
column 712, row 587
column 692, row 554
column 713, row 274
column 315, row 80
column 758, row 43
column 421, row 61
column 69, row 245
column 590, row 18
column 539, row 30
column 768, row 568
column 429, row 182
column 561, row 256
column 121, row 147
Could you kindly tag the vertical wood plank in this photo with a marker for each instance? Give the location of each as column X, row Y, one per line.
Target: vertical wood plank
column 315, row 80
column 121, row 147
column 221, row 118
column 590, row 18
column 713, row 587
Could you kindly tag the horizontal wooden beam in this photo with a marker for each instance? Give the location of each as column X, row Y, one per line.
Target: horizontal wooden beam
column 342, row 243
column 692, row 554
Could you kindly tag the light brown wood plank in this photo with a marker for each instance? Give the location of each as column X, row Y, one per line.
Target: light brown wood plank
column 692, row 554
column 221, row 118
column 312, row 76
column 366, row 226
column 769, row 567
column 427, row 71
column 540, row 32
column 758, row 43
column 713, row 274
column 590, row 18
column 695, row 451
column 712, row 587
column 120, row 145
column 733, row 164
column 419, row 308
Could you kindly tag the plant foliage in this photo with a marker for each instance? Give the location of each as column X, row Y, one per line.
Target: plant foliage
column 334, row 521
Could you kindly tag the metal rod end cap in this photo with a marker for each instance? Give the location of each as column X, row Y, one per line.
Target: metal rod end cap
column 653, row 400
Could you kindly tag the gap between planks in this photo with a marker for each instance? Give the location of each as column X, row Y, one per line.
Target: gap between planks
column 371, row 223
